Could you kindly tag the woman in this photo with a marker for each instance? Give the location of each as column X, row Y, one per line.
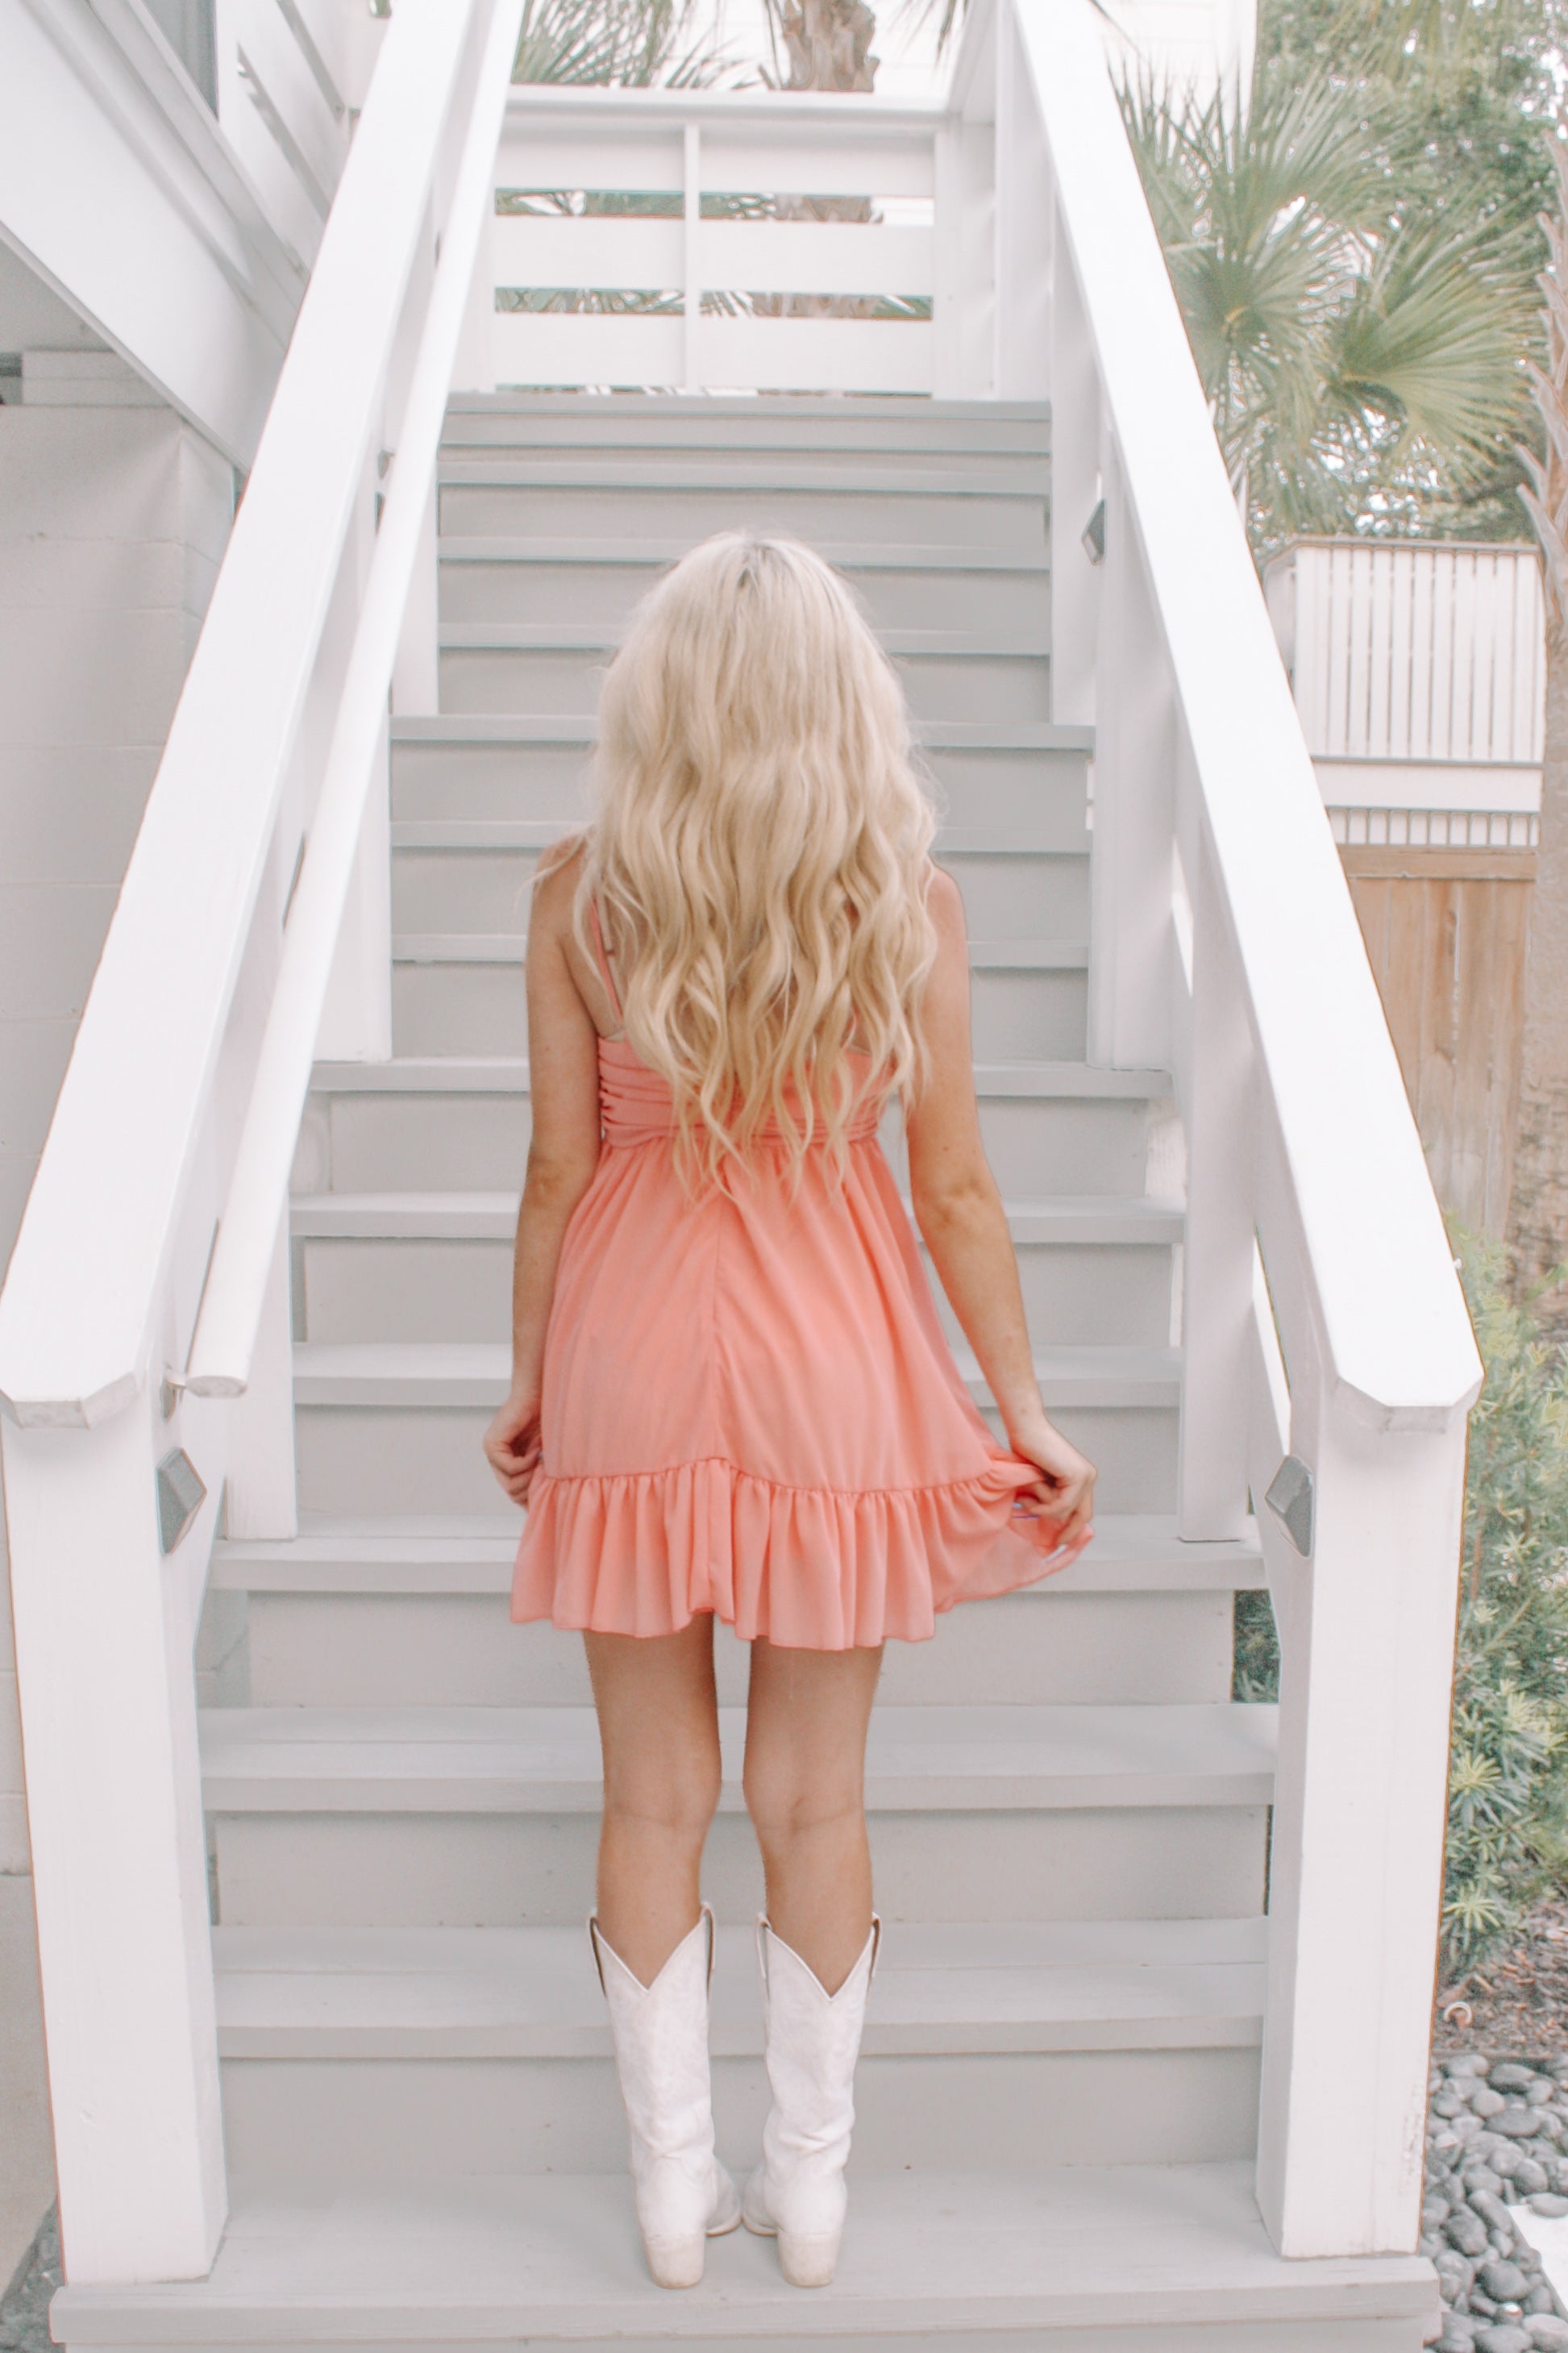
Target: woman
column 731, row 1394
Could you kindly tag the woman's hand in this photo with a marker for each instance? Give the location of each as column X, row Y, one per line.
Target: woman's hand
column 512, row 1443
column 1065, row 1491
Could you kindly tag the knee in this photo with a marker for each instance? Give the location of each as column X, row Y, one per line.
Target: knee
column 788, row 1803
column 677, row 1797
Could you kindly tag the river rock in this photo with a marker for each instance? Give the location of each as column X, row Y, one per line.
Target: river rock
column 1541, row 2091
column 1529, row 2178
column 1482, row 2176
column 1509, row 2076
column 1520, row 2123
column 1502, row 2336
column 1547, row 2332
column 1464, row 2064
column 1506, row 2156
column 1492, row 2211
column 1458, row 2336
column 1504, row 2283
column 1547, row 2203
column 1467, row 2231
column 1485, row 2102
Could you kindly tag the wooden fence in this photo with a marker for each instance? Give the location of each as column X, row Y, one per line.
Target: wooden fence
column 1445, row 931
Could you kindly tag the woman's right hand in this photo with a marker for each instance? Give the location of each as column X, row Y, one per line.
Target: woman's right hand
column 1065, row 1492
column 512, row 1443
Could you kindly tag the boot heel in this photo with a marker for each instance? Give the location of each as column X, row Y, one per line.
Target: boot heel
column 808, row 2260
column 676, row 2263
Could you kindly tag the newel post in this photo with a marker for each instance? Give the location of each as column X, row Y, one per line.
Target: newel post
column 1358, row 1807
column 114, row 1808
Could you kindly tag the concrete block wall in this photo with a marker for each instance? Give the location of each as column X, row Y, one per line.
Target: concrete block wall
column 113, row 519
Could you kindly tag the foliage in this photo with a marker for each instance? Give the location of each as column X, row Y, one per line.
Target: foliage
column 1508, row 1784
column 1469, row 96
column 1364, row 354
column 626, row 43
column 1254, row 1648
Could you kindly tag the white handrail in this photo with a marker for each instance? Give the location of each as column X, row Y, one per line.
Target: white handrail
column 231, row 1306
column 84, row 1292
column 1394, row 1326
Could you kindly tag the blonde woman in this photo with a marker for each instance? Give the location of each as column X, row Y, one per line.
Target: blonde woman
column 731, row 1394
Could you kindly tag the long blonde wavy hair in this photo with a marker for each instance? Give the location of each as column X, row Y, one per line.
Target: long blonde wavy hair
column 760, row 851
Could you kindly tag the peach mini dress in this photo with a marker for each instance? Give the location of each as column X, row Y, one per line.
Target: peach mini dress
column 748, row 1405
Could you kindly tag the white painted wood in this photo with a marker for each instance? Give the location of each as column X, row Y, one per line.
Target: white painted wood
column 546, row 1759
column 554, row 348
column 540, row 250
column 259, row 1495
column 103, row 1652
column 815, row 257
column 819, row 354
column 116, row 188
column 151, row 1031
column 691, row 255
column 1417, row 669
column 1219, row 1249
column 538, row 157
column 1169, row 2263
column 347, row 831
column 1358, row 1833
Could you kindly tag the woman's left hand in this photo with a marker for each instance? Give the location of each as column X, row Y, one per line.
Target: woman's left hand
column 512, row 1444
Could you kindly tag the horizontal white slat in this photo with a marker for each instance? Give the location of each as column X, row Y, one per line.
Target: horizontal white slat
column 644, row 159
column 561, row 347
column 532, row 251
column 771, row 163
column 816, row 354
column 815, row 257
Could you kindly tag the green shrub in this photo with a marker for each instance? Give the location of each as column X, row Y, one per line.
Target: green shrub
column 1508, row 1778
column 1254, row 1648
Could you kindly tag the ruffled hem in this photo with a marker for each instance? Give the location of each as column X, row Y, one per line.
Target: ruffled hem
column 810, row 1568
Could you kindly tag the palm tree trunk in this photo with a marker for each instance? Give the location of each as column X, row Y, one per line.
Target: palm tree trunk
column 1537, row 1207
column 829, row 44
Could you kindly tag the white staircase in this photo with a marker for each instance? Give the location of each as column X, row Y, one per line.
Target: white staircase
column 1146, row 2057
column 1069, row 1814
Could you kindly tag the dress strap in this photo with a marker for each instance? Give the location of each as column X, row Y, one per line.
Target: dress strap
column 606, row 973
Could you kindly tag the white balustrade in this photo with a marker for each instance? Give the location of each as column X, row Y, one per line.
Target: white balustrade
column 705, row 293
column 203, row 1016
column 1320, row 1304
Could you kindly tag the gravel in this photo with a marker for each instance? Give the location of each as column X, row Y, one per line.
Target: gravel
column 25, row 2307
column 1493, row 2130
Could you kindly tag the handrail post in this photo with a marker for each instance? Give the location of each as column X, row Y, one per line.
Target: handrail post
column 103, row 1630
column 261, row 1497
column 1357, row 1861
column 1217, row 1305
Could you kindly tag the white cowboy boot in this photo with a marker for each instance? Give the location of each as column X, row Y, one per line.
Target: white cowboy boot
column 798, row 2194
column 684, row 2197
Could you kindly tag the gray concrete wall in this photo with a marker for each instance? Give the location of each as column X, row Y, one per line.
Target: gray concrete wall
column 113, row 519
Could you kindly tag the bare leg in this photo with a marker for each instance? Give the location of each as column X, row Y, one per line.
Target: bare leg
column 806, row 1793
column 658, row 1730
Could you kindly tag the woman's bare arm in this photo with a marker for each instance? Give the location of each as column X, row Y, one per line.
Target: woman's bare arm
column 562, row 1154
column 958, row 1212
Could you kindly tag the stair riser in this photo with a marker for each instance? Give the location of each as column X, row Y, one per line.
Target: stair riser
column 338, row 1650
column 479, row 1008
column 363, row 1460
column 604, row 595
column 889, row 432
column 1037, row 797
column 406, row 1142
column 309, row 1870
column 998, row 687
column 1013, row 896
column 392, row 2119
column 681, row 516
column 462, row 1291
